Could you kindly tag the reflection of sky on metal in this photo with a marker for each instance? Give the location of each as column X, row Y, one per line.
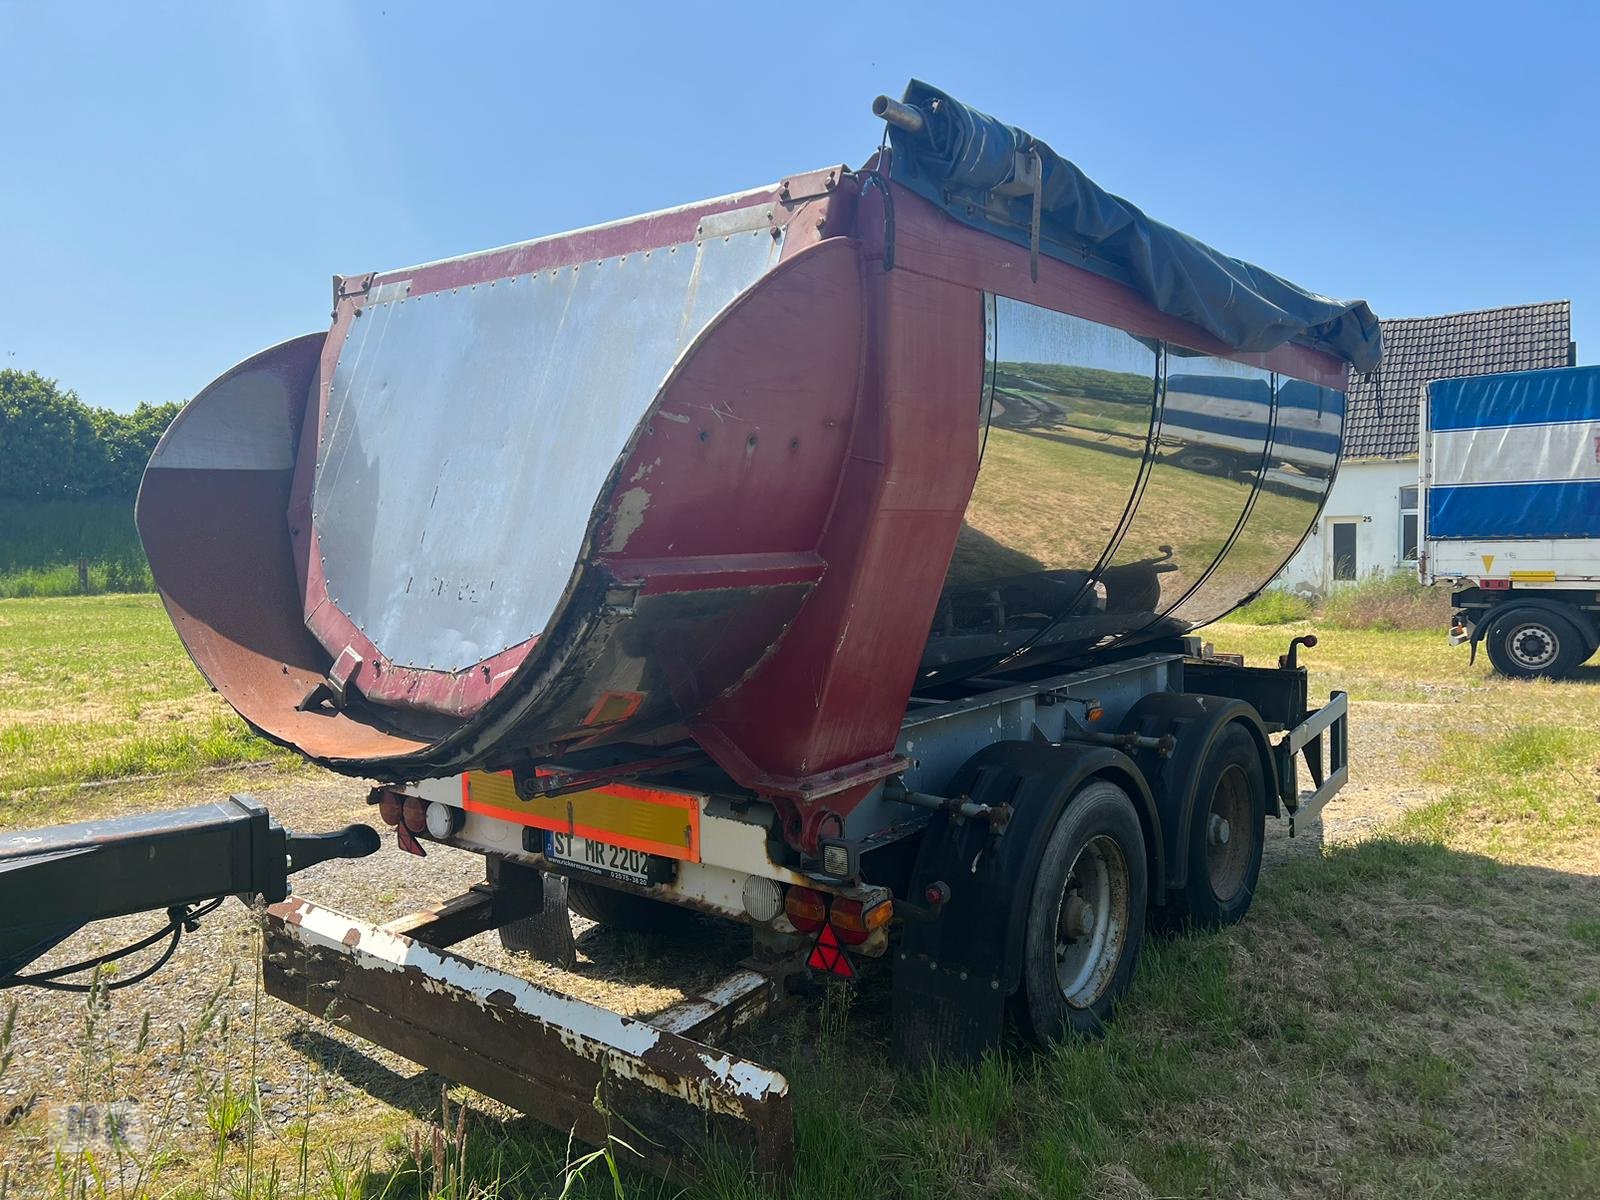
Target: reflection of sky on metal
column 1029, row 334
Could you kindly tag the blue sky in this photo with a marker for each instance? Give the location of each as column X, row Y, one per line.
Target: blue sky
column 180, row 182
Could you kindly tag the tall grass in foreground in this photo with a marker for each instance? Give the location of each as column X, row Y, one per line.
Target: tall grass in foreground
column 43, row 541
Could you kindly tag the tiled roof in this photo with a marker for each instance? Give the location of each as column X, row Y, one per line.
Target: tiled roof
column 1382, row 406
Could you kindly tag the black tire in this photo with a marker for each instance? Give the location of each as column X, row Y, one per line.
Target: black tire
column 1534, row 643
column 624, row 910
column 1223, row 856
column 1096, row 857
column 1203, row 461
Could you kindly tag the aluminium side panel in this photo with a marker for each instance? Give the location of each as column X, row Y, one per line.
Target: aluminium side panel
column 1510, row 473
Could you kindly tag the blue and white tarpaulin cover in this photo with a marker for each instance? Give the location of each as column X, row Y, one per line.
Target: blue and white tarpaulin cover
column 966, row 161
column 1515, row 455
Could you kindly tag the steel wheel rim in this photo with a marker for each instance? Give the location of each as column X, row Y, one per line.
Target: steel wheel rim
column 1533, row 647
column 1092, row 921
column 1228, row 833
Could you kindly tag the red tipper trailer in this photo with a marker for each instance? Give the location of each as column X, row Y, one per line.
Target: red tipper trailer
column 823, row 557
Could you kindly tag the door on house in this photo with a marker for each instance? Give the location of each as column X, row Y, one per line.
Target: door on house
column 1342, row 547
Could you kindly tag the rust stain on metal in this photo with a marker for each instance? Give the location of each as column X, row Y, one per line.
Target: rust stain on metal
column 539, row 1050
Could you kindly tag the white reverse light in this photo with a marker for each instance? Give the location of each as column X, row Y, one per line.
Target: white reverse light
column 763, row 898
column 444, row 820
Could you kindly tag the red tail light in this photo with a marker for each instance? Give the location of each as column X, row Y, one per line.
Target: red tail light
column 390, row 805
column 807, row 909
column 414, row 812
column 854, row 924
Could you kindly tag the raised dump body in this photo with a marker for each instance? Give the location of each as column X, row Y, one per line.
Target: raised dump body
column 747, row 472
column 813, row 558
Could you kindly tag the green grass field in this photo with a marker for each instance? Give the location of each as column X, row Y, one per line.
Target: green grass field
column 1412, row 1013
column 98, row 688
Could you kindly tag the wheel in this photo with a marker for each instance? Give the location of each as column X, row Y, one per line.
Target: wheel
column 1086, row 917
column 1534, row 643
column 1226, row 833
column 624, row 910
column 1201, row 461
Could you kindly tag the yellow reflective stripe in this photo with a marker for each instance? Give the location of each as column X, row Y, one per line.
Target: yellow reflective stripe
column 1533, row 576
column 656, row 822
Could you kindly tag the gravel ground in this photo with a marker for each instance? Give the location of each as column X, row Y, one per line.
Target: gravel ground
column 146, row 1045
column 172, row 1047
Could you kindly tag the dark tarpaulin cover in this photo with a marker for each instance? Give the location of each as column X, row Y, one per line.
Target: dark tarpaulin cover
column 960, row 154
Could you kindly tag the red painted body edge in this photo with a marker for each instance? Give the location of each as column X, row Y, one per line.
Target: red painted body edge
column 831, row 697
column 814, row 714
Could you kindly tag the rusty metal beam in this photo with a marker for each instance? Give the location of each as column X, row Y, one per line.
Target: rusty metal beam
column 668, row 1097
column 720, row 1009
column 511, row 892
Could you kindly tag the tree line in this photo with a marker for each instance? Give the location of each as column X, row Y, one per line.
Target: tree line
column 54, row 446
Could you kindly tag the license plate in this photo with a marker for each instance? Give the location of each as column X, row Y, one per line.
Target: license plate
column 602, row 858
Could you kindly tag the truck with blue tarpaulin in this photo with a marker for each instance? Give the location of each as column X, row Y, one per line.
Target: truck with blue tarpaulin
column 1510, row 501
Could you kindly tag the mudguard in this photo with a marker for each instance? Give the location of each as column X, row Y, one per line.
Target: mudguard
column 957, row 967
column 1195, row 723
column 1571, row 612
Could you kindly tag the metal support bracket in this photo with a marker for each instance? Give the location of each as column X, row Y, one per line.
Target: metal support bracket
column 511, row 892
column 664, row 1096
column 1333, row 718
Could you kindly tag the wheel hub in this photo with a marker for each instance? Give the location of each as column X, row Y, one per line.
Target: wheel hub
column 1532, row 646
column 1092, row 922
column 1227, row 856
column 1078, row 918
column 1219, row 831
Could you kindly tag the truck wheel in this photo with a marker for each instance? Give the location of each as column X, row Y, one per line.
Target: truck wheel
column 1226, row 833
column 1085, row 917
column 1533, row 643
column 623, row 910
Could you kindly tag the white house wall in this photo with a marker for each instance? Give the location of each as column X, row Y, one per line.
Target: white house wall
column 1369, row 494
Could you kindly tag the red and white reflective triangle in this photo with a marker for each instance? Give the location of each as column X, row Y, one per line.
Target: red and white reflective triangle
column 828, row 955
